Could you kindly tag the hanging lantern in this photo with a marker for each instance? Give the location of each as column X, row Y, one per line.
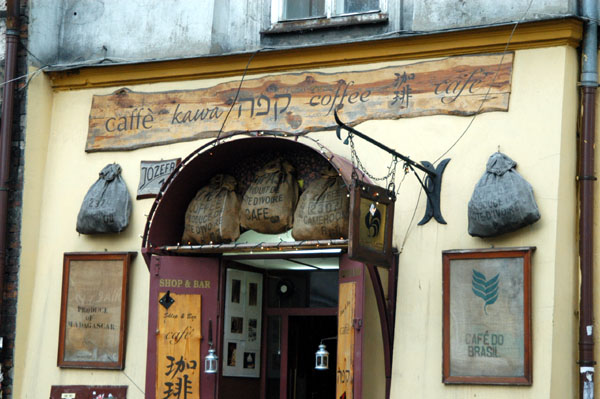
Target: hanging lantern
column 322, row 358
column 210, row 362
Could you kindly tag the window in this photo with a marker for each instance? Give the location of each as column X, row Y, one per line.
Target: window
column 294, row 10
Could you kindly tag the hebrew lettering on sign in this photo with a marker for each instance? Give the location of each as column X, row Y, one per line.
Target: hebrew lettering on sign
column 301, row 102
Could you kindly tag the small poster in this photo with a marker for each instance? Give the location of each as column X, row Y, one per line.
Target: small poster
column 243, row 315
column 487, row 326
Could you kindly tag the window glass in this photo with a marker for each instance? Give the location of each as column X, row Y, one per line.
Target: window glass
column 355, row 6
column 299, row 9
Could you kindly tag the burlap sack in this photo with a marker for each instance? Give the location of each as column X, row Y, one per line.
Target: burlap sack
column 106, row 207
column 212, row 216
column 323, row 209
column 268, row 204
column 502, row 200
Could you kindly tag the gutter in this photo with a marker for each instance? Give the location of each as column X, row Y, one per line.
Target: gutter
column 12, row 42
column 586, row 178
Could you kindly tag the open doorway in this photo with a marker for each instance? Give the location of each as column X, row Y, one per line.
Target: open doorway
column 299, row 312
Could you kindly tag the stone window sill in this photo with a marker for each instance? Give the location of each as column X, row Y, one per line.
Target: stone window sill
column 326, row 23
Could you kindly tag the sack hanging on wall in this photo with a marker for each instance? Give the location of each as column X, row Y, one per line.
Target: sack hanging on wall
column 323, row 209
column 107, row 205
column 213, row 215
column 269, row 203
column 502, row 200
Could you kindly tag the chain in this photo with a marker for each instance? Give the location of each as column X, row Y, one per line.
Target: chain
column 389, row 178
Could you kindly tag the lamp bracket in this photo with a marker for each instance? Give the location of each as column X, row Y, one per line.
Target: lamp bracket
column 433, row 182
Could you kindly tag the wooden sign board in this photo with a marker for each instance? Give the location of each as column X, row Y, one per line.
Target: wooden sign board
column 487, row 316
column 88, row 391
column 153, row 174
column 371, row 224
column 301, row 102
column 179, row 363
column 345, row 351
column 93, row 308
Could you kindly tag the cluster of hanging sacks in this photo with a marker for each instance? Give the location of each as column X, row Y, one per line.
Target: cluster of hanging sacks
column 271, row 205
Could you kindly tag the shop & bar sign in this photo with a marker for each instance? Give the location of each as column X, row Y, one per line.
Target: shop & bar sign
column 178, row 347
column 301, row 102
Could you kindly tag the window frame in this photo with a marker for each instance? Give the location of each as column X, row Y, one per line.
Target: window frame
column 277, row 19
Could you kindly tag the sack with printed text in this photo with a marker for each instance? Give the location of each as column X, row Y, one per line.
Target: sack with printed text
column 106, row 207
column 212, row 216
column 323, row 209
column 502, row 201
column 269, row 202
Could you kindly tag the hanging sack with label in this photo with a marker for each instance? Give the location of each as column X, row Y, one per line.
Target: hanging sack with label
column 107, row 205
column 269, row 202
column 323, row 209
column 213, row 215
column 502, row 200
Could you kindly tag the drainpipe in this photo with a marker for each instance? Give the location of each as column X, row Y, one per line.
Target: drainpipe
column 10, row 61
column 589, row 84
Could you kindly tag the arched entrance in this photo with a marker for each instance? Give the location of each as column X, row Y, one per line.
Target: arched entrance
column 263, row 303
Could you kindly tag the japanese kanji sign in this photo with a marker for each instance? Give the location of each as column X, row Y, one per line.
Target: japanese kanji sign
column 178, row 348
column 301, row 102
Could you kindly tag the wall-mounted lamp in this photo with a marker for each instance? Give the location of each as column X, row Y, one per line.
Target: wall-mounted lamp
column 211, row 360
column 322, row 356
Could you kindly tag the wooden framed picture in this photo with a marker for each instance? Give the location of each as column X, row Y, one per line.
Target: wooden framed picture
column 487, row 316
column 371, row 224
column 93, row 309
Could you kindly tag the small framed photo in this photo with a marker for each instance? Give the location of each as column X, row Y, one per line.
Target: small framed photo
column 487, row 316
column 93, row 309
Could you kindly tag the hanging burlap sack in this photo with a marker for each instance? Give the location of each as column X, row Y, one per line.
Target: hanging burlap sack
column 268, row 204
column 212, row 216
column 502, row 200
column 107, row 205
column 323, row 209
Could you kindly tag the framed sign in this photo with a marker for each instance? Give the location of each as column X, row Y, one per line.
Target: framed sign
column 487, row 316
column 93, row 308
column 88, row 391
column 152, row 176
column 371, row 224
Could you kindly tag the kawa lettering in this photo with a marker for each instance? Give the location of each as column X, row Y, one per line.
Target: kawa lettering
column 188, row 116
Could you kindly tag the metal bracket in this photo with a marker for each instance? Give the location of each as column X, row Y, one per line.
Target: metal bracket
column 433, row 181
column 433, row 188
column 167, row 300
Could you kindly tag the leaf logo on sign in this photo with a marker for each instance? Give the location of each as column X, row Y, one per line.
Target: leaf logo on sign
column 485, row 289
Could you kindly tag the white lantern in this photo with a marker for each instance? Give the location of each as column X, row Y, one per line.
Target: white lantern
column 322, row 358
column 210, row 362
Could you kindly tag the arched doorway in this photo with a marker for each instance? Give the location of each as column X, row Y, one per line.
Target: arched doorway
column 302, row 291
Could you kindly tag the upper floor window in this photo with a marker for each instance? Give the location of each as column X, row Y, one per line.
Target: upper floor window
column 294, row 10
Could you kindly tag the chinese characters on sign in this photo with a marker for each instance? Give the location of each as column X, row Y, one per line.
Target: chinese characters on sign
column 301, row 102
column 178, row 348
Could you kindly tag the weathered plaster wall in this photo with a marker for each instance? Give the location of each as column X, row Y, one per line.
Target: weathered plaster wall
column 538, row 133
column 87, row 31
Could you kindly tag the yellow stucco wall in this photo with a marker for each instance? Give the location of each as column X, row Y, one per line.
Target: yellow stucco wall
column 538, row 133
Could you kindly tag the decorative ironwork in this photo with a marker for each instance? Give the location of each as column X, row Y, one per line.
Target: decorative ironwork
column 433, row 182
